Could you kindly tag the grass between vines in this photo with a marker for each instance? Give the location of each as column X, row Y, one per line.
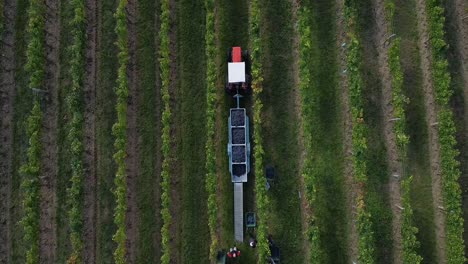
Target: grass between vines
column 378, row 196
column 323, row 102
column 22, row 108
column 418, row 158
column 64, row 120
column 191, row 113
column 280, row 128
column 105, row 116
column 149, row 127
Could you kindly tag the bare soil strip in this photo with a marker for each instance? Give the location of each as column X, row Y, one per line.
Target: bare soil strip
column 351, row 186
column 7, row 97
column 48, row 236
column 175, row 170
column 394, row 161
column 90, row 156
column 306, row 212
column 132, row 160
column 431, row 117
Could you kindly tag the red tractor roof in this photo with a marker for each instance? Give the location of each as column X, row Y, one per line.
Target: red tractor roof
column 236, row 54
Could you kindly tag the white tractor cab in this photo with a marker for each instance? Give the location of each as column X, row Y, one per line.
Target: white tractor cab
column 238, row 79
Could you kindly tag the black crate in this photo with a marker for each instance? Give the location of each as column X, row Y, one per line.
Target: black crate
column 238, row 153
column 238, row 169
column 237, row 117
column 238, row 135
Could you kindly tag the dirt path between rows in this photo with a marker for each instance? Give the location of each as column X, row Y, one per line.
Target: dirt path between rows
column 48, row 223
column 90, row 155
column 351, row 190
column 132, row 159
column 431, row 117
column 175, row 169
column 306, row 212
column 7, row 97
column 393, row 159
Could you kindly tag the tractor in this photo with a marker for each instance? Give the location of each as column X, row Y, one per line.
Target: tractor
column 238, row 81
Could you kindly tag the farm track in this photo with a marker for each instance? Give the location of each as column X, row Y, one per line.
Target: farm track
column 353, row 188
column 133, row 159
column 48, row 180
column 393, row 160
column 434, row 147
column 90, row 154
column 7, row 95
column 306, row 211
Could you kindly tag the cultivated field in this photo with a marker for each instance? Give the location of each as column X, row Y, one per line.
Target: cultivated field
column 113, row 129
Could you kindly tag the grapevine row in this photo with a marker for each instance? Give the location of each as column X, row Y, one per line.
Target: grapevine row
column 366, row 243
column 399, row 101
column 31, row 171
column 448, row 153
column 75, row 132
column 305, row 85
column 166, row 118
column 261, row 197
column 119, row 130
column 210, row 181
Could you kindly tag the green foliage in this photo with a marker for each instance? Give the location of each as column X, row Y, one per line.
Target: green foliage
column 305, row 85
column 119, row 130
column 210, row 165
column 75, row 130
column 448, row 153
column 35, row 66
column 260, row 181
column 31, row 172
column 166, row 118
column 359, row 136
column 408, row 231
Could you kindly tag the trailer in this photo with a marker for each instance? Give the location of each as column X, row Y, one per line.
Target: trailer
column 238, row 147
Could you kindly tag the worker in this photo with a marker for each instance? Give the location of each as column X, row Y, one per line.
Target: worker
column 253, row 242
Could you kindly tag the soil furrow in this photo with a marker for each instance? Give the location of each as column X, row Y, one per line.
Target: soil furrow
column 90, row 155
column 351, row 190
column 7, row 97
column 393, row 159
column 133, row 159
column 431, row 118
column 48, row 229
